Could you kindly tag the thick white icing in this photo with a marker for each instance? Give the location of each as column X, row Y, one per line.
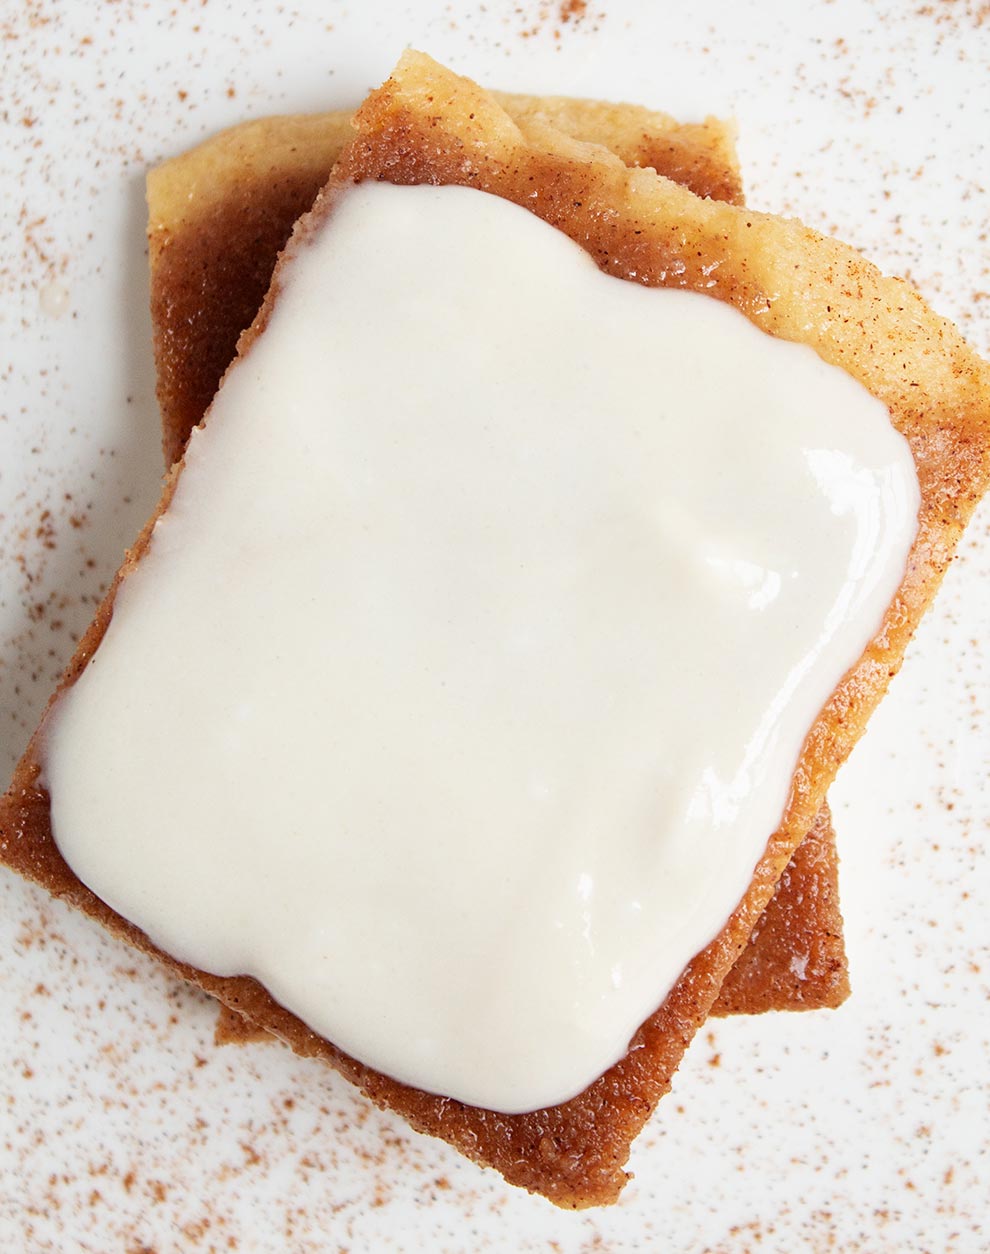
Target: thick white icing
column 463, row 683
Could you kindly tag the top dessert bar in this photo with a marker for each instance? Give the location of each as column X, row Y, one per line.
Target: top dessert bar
column 427, row 126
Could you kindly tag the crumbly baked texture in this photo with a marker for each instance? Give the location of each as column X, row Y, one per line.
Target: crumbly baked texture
column 233, row 1028
column 795, row 957
column 426, row 125
column 219, row 215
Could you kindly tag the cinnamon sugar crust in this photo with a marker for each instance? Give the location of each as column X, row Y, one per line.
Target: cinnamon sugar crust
column 795, row 956
column 428, row 126
column 218, row 217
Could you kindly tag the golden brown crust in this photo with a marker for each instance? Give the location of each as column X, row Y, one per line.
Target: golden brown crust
column 226, row 209
column 795, row 957
column 237, row 1029
column 426, row 125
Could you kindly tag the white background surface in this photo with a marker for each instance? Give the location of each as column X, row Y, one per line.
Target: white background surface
column 124, row 1128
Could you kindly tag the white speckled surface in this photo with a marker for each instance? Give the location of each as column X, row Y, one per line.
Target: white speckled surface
column 125, row 1129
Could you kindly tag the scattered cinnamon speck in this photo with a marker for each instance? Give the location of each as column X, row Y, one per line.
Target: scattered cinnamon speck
column 557, row 17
